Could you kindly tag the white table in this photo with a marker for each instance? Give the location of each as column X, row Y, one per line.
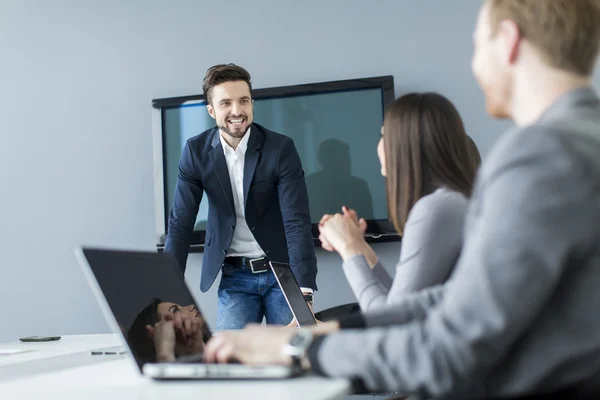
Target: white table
column 65, row 369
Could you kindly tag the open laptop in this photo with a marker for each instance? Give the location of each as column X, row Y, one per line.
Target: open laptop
column 292, row 293
column 136, row 289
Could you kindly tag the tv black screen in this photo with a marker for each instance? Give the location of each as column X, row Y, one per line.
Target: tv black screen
column 335, row 127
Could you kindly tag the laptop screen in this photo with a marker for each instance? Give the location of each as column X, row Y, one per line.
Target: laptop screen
column 148, row 297
column 293, row 294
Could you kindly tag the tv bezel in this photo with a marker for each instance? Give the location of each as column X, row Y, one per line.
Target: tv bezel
column 378, row 230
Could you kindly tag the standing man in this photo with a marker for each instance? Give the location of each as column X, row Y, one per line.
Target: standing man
column 520, row 313
column 258, row 206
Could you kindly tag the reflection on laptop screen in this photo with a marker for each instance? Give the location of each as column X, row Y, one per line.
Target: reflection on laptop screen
column 143, row 289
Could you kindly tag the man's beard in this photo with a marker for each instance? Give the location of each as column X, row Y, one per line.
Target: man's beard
column 495, row 108
column 497, row 95
column 234, row 134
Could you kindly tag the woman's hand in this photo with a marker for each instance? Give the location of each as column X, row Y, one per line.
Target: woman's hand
column 348, row 212
column 163, row 333
column 343, row 234
column 324, row 243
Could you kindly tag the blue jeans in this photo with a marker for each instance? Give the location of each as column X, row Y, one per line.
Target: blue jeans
column 245, row 297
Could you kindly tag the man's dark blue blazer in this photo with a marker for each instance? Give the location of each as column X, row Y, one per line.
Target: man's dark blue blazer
column 275, row 197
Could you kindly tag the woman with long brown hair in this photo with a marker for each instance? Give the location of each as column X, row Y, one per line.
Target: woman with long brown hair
column 429, row 166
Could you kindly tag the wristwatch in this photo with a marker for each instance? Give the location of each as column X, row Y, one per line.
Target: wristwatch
column 308, row 297
column 298, row 345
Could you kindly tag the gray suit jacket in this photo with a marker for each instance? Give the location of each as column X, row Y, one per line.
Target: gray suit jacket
column 521, row 310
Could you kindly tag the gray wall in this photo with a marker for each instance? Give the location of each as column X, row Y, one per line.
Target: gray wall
column 77, row 80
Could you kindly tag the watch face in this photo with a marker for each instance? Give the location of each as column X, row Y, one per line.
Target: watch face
column 297, row 341
column 298, row 344
column 301, row 339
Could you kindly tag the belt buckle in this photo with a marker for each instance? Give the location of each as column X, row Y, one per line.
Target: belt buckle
column 252, row 265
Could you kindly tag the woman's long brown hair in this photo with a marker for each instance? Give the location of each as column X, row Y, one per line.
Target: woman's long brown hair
column 426, row 147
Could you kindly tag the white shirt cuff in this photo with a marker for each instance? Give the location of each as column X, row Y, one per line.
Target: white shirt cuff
column 306, row 290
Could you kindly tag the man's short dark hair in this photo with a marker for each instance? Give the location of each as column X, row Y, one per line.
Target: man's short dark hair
column 223, row 73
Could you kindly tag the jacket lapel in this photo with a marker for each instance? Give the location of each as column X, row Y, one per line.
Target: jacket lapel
column 251, row 159
column 220, row 166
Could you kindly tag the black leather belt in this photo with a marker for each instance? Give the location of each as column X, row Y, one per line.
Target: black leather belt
column 257, row 265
